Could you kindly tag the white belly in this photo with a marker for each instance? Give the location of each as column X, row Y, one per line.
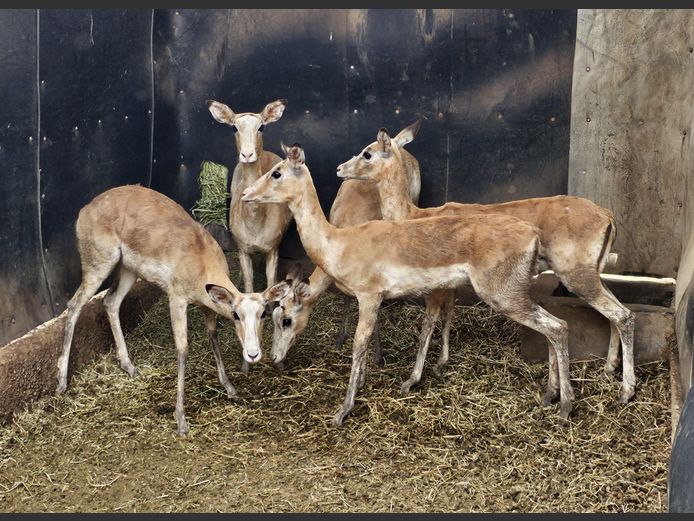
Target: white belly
column 406, row 280
column 149, row 269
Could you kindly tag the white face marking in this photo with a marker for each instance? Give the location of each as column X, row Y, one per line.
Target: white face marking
column 247, row 127
column 248, row 327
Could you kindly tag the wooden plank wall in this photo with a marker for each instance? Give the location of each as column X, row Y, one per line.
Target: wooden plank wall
column 631, row 115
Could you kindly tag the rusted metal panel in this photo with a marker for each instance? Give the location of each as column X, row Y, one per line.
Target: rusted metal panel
column 630, row 128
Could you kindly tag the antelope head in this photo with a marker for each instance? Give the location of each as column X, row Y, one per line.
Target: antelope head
column 372, row 163
column 247, row 310
column 291, row 315
column 248, row 126
column 284, row 183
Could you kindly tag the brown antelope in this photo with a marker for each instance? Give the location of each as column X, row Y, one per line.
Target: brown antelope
column 255, row 229
column 355, row 203
column 390, row 259
column 575, row 238
column 142, row 233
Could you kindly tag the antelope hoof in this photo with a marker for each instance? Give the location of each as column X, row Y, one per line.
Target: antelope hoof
column 564, row 411
column 132, row 371
column 405, row 387
column 182, row 425
column 607, row 374
column 245, row 367
column 379, row 360
column 340, row 341
column 339, row 418
column 625, row 394
column 62, row 386
column 279, row 366
column 550, row 396
column 231, row 391
column 438, row 369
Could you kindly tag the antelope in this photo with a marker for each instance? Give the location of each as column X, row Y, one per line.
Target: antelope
column 355, row 203
column 254, row 229
column 576, row 236
column 139, row 232
column 390, row 259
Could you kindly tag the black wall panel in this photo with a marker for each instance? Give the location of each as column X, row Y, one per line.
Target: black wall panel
column 681, row 471
column 95, row 88
column 400, row 70
column 24, row 300
column 492, row 86
column 247, row 59
column 510, row 113
column 121, row 98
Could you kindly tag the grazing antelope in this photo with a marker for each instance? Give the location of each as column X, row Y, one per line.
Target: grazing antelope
column 143, row 233
column 575, row 238
column 355, row 203
column 255, row 229
column 390, row 259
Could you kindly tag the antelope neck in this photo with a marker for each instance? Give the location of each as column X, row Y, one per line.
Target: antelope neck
column 394, row 191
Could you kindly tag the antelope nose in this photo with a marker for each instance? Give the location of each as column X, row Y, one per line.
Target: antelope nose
column 253, row 356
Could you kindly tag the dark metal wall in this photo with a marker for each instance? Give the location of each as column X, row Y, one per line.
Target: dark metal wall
column 95, row 90
column 114, row 97
column 24, row 297
column 494, row 88
column 75, row 121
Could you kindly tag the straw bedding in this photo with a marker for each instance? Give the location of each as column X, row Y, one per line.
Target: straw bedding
column 476, row 439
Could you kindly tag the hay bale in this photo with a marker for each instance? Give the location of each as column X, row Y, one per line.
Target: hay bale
column 211, row 207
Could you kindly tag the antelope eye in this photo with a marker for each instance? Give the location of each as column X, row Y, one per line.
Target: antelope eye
column 276, row 174
column 367, row 155
column 234, row 129
column 261, row 128
column 236, row 316
column 286, row 322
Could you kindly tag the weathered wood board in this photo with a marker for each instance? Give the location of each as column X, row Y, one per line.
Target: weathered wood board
column 631, row 117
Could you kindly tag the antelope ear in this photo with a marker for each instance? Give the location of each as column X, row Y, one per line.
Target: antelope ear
column 276, row 292
column 295, row 155
column 303, row 290
column 221, row 112
column 406, row 135
column 273, row 111
column 383, row 139
column 219, row 294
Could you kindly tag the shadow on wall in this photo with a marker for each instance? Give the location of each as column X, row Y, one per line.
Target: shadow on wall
column 345, row 73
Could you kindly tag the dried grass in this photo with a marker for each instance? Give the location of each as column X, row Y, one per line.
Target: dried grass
column 211, row 207
column 475, row 440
